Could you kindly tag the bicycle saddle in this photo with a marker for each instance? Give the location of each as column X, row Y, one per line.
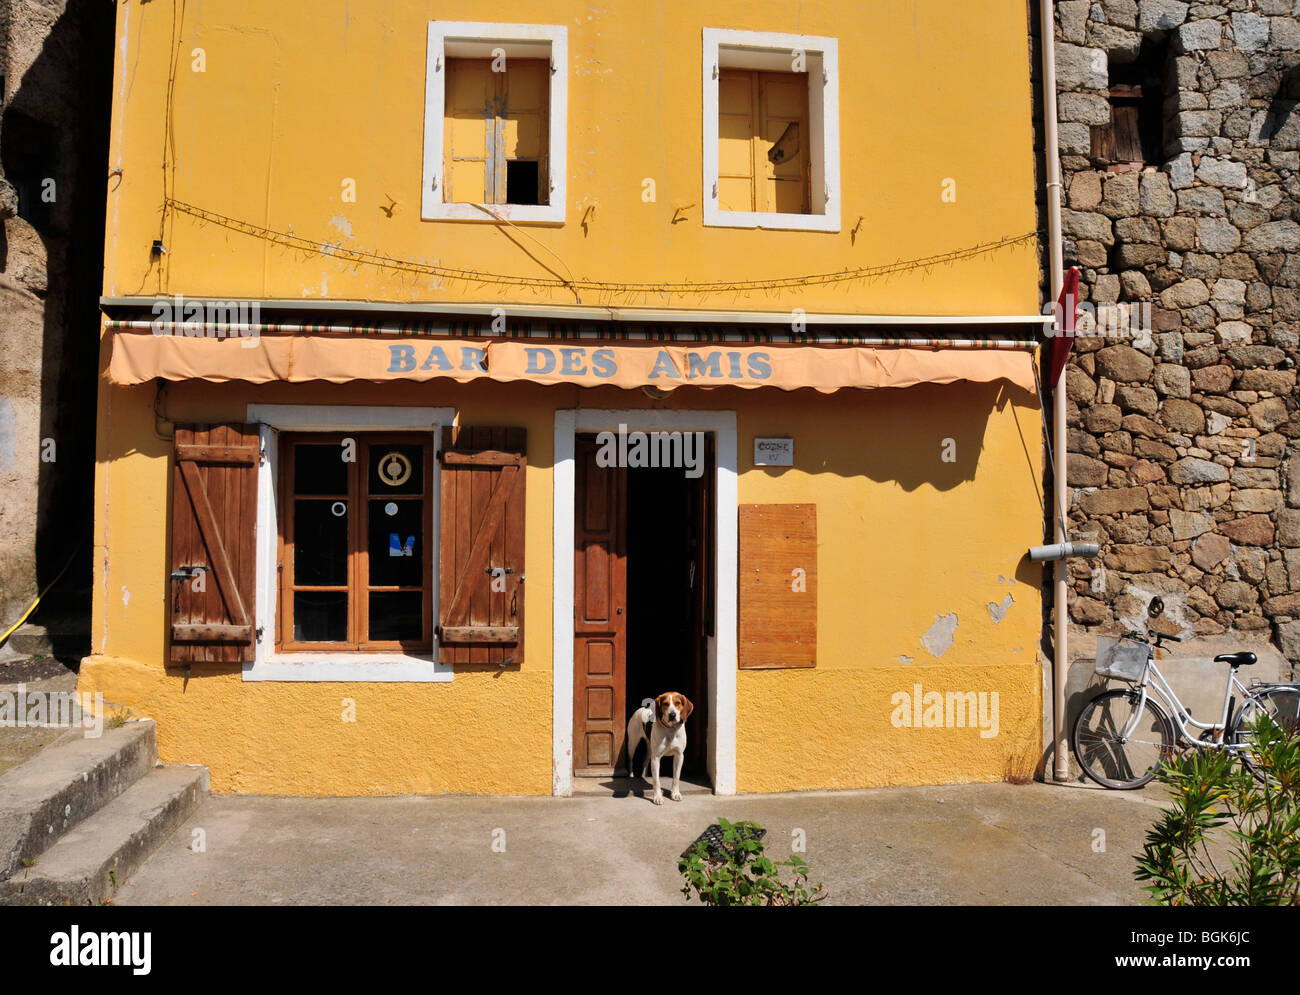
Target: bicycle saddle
column 1237, row 659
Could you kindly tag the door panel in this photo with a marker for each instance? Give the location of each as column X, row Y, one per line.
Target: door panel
column 599, row 614
column 700, row 514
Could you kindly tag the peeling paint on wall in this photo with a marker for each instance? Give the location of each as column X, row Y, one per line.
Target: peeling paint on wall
column 999, row 611
column 906, row 659
column 938, row 638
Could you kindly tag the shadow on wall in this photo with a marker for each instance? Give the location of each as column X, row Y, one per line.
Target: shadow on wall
column 54, row 151
column 929, row 434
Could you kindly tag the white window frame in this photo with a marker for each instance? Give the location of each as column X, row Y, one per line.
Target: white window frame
column 477, row 39
column 726, row 49
column 384, row 666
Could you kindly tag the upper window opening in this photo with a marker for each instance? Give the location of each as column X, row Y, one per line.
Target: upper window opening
column 763, row 161
column 1135, row 134
column 771, row 131
column 496, row 111
column 495, row 122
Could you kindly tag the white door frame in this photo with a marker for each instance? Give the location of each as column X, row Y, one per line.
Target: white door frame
column 722, row 645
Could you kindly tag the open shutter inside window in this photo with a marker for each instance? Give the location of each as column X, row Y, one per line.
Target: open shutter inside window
column 213, row 558
column 481, row 562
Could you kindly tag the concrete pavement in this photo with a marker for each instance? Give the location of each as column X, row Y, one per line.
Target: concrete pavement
column 973, row 844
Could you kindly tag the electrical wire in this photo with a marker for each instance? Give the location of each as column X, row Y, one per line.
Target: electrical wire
column 32, row 607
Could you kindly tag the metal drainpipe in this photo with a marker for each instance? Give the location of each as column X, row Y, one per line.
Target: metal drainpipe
column 1060, row 661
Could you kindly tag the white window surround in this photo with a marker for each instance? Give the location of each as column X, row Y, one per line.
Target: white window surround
column 776, row 52
column 721, row 755
column 477, row 39
column 268, row 665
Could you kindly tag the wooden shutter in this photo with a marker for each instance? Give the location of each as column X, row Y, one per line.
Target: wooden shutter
column 778, row 586
column 213, row 549
column 469, row 135
column 482, row 531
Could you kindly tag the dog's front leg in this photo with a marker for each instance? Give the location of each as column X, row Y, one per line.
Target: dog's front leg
column 678, row 759
column 658, row 797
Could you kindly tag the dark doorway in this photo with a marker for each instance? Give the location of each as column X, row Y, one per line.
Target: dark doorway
column 669, row 584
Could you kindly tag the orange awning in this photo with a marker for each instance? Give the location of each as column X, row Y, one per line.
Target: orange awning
column 140, row 357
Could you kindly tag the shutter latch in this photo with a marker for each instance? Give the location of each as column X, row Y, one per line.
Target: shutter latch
column 185, row 573
column 260, row 629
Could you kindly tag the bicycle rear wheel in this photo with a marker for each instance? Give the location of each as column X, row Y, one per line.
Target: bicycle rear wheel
column 1115, row 761
column 1282, row 705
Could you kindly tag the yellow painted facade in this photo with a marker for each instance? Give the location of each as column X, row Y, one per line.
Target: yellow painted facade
column 295, row 103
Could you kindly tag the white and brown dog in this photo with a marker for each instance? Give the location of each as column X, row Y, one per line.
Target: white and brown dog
column 662, row 726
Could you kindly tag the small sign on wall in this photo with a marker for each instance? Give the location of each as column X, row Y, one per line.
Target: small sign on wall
column 773, row 452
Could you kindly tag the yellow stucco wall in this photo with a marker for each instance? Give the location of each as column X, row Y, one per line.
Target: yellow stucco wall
column 295, row 99
column 903, row 537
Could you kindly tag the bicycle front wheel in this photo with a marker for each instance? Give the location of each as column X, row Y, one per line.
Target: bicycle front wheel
column 1111, row 758
column 1282, row 705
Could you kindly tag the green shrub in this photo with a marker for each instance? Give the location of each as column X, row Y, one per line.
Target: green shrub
column 741, row 875
column 1229, row 838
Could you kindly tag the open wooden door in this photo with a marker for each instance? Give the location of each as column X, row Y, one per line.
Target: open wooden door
column 599, row 614
column 702, row 579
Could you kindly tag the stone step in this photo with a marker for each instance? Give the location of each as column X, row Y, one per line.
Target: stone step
column 92, row 859
column 67, row 640
column 44, row 797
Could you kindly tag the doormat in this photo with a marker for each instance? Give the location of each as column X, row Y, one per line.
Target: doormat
column 712, row 838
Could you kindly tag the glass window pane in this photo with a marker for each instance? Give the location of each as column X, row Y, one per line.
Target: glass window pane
column 397, row 616
column 320, row 616
column 320, row 469
column 396, row 543
column 320, row 542
column 396, row 469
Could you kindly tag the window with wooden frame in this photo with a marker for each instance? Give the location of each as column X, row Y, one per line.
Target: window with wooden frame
column 495, row 122
column 763, row 161
column 495, row 131
column 771, row 131
column 1134, row 136
column 356, row 542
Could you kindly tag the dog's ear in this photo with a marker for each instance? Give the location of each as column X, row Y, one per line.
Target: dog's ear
column 660, row 704
column 687, row 707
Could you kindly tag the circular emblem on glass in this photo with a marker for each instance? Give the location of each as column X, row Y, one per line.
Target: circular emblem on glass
column 394, row 469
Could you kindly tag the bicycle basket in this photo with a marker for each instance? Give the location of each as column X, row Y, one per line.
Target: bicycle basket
column 1122, row 659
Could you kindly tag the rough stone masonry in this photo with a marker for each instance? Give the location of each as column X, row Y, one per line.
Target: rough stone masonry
column 1183, row 454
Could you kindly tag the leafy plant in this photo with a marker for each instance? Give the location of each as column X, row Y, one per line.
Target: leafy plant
column 739, row 874
column 1229, row 838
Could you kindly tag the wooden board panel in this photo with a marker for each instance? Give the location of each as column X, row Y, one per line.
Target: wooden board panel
column 778, row 586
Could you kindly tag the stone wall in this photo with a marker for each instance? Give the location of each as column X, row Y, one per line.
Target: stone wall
column 1183, row 429
column 56, row 72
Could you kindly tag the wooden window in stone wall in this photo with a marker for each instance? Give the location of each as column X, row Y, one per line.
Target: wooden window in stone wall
column 1134, row 137
column 778, row 586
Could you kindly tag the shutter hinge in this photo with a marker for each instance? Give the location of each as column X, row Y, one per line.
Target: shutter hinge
column 715, row 70
column 261, row 454
column 260, row 631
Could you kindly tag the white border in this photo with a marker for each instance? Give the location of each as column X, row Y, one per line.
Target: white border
column 765, row 50
column 478, row 38
column 722, row 645
column 268, row 665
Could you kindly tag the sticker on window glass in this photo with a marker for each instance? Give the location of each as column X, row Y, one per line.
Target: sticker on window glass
column 394, row 469
column 390, row 509
column 396, row 548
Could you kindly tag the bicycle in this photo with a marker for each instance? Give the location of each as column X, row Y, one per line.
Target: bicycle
column 1122, row 736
